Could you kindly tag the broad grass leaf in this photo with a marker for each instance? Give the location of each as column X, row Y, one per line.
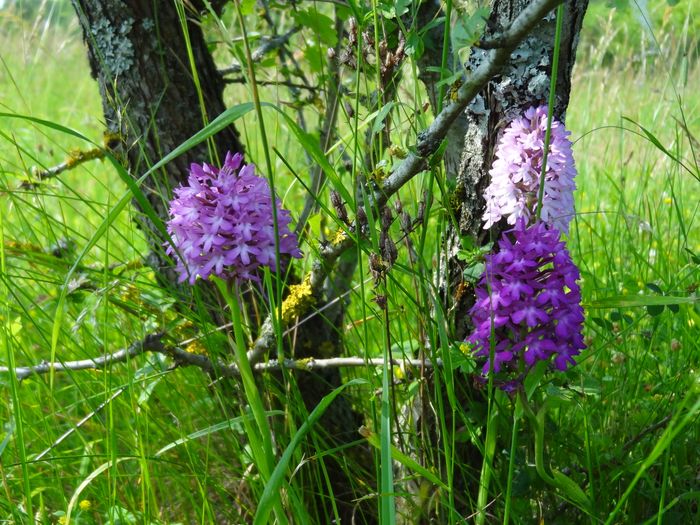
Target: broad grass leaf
column 271, row 492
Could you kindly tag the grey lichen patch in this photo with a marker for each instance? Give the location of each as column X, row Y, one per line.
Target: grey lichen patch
column 527, row 79
column 113, row 44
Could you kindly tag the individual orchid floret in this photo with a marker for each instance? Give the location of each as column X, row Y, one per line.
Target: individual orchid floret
column 528, row 303
column 515, row 174
column 222, row 223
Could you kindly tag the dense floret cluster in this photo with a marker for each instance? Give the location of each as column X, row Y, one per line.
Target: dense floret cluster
column 222, row 223
column 529, row 298
column 528, row 302
column 515, row 175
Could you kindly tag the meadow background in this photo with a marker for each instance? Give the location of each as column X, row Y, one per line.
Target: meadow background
column 142, row 443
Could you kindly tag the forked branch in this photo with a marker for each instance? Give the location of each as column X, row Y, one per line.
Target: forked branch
column 428, row 143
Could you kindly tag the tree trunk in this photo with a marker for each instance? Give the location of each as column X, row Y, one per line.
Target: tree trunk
column 138, row 55
column 523, row 83
column 471, row 143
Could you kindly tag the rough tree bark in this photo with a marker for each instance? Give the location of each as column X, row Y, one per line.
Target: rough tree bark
column 471, row 142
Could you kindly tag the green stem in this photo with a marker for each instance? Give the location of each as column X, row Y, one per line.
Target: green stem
column 566, row 486
column 486, row 467
column 491, row 419
column 260, row 441
column 550, row 109
column 445, row 52
column 511, row 464
column 270, row 177
column 388, row 502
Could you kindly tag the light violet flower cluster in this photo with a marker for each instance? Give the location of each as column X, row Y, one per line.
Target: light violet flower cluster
column 222, row 223
column 528, row 301
column 515, row 175
column 528, row 297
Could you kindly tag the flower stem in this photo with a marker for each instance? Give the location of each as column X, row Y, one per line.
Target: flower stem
column 550, row 104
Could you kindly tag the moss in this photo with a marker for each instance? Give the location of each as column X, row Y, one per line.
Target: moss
column 339, row 236
column 457, row 197
column 303, row 364
column 110, row 140
column 196, row 347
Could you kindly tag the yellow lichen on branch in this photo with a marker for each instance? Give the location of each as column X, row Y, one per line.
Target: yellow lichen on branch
column 78, row 156
column 300, row 298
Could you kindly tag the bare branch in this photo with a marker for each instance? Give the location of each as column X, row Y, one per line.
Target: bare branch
column 312, row 364
column 150, row 343
column 218, row 369
column 428, row 142
column 285, row 83
column 75, row 158
column 648, row 430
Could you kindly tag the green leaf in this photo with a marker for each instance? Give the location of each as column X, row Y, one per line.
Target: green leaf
column 381, row 116
column 247, row 7
column 451, row 79
column 414, row 45
column 460, row 360
column 320, row 25
column 408, row 462
column 219, row 123
column 6, row 440
column 654, row 288
column 603, row 323
column 271, row 491
column 693, row 257
column 229, row 424
column 654, row 310
column 310, row 144
column 467, row 30
column 474, row 272
column 401, row 6
column 572, row 491
column 433, row 23
column 635, row 301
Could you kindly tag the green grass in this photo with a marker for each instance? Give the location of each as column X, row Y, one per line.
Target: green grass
column 149, row 444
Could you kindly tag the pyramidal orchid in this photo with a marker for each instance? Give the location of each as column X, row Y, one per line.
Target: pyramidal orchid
column 221, row 223
column 528, row 299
